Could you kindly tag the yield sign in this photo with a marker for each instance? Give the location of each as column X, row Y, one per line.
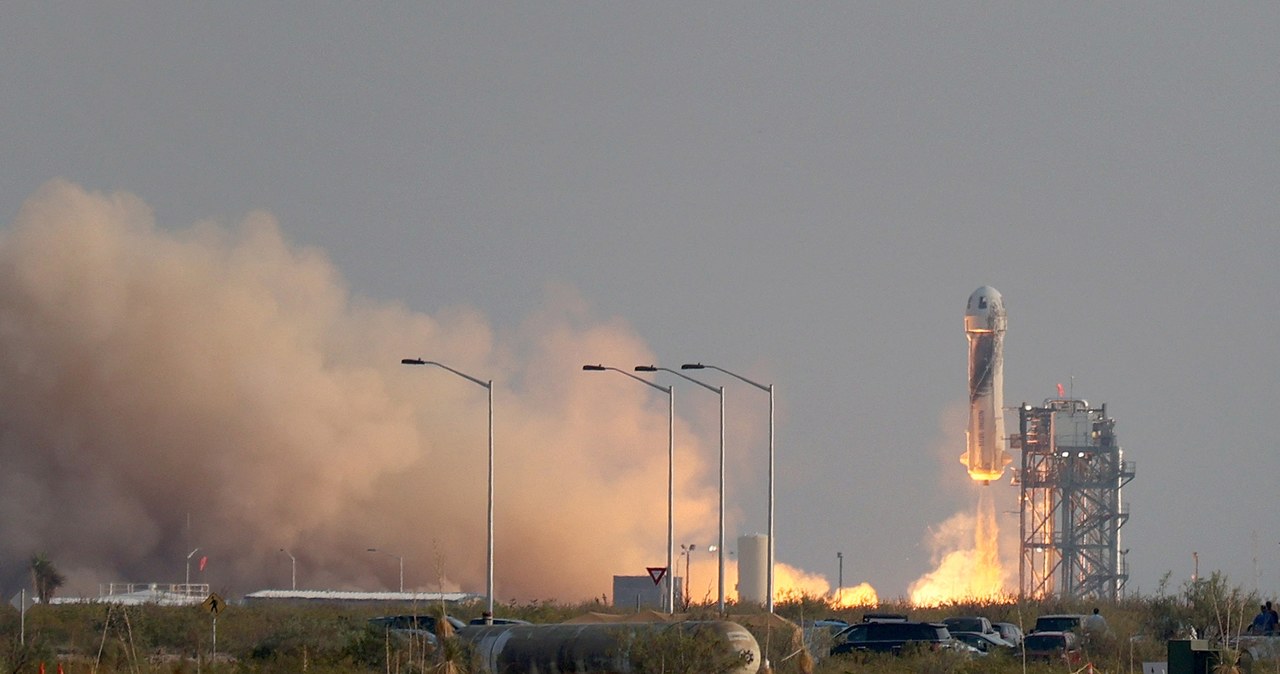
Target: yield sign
column 656, row 573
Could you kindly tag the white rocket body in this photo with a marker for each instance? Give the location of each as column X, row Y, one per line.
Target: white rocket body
column 984, row 325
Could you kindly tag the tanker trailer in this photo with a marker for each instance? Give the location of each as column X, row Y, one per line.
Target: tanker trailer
column 599, row 648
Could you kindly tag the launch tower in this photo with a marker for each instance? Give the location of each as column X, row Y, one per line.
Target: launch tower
column 1072, row 473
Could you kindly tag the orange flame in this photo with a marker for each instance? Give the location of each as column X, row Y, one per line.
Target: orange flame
column 965, row 573
column 789, row 583
column 859, row 595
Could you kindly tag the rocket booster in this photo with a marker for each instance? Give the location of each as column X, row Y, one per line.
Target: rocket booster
column 984, row 325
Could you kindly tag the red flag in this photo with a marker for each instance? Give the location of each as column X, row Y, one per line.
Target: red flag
column 203, row 560
column 1061, row 393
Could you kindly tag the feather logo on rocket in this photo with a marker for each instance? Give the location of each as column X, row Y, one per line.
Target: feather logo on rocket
column 984, row 325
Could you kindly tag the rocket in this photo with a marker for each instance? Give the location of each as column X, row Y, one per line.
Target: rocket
column 984, row 325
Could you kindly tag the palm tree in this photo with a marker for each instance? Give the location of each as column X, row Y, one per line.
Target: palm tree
column 45, row 577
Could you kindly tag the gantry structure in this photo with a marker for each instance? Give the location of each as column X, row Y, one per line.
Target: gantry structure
column 1072, row 474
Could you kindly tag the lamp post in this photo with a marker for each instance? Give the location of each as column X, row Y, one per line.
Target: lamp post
column 719, row 390
column 488, row 385
column 293, row 567
column 399, row 557
column 671, row 472
column 768, row 388
column 187, row 588
column 840, row 579
column 687, row 551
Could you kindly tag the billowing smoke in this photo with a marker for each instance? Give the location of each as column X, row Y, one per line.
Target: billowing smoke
column 217, row 388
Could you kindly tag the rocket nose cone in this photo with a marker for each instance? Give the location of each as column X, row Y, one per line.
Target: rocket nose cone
column 985, row 311
column 984, row 301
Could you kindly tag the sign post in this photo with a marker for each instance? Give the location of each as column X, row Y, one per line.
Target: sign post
column 19, row 601
column 22, row 602
column 214, row 605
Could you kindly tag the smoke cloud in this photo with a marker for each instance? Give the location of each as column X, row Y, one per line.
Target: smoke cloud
column 217, row 388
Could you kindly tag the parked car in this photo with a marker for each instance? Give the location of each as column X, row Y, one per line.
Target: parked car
column 892, row 637
column 1063, row 622
column 969, row 624
column 499, row 621
column 413, row 622
column 1009, row 632
column 884, row 618
column 1053, row 647
column 408, row 625
column 832, row 626
column 986, row 644
column 820, row 635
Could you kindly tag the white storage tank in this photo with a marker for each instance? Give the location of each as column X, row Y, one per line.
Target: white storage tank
column 753, row 569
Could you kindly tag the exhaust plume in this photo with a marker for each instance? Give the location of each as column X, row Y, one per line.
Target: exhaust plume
column 967, row 551
column 216, row 387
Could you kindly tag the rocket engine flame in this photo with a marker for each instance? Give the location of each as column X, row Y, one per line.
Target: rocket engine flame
column 965, row 573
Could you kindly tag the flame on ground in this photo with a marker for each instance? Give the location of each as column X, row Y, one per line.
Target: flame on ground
column 859, row 595
column 964, row 573
column 789, row 583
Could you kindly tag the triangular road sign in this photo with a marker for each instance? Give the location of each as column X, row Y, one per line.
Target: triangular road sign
column 22, row 601
column 656, row 573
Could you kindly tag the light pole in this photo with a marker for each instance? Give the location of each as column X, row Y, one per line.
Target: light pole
column 769, row 389
column 719, row 390
column 293, row 567
column 671, row 472
column 187, row 588
column 687, row 551
column 399, row 557
column 488, row 385
column 840, row 579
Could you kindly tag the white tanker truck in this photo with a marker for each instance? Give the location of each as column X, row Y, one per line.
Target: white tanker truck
column 595, row 648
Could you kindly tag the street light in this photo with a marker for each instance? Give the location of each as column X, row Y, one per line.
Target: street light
column 769, row 389
column 187, row 589
column 687, row 550
column 719, row 390
column 488, row 385
column 671, row 472
column 840, row 580
column 293, row 564
column 397, row 557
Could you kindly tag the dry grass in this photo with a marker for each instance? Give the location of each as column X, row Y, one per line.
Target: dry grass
column 327, row 639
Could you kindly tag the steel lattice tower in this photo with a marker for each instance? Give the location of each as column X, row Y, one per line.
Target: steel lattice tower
column 1071, row 513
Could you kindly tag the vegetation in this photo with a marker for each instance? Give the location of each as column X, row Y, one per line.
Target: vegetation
column 328, row 639
column 45, row 579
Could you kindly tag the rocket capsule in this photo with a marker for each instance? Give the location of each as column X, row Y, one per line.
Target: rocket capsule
column 984, row 325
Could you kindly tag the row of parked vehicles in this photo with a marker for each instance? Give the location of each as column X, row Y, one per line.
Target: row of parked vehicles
column 1054, row 637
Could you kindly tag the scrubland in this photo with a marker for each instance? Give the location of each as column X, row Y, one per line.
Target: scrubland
column 328, row 639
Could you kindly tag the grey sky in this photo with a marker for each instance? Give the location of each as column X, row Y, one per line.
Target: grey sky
column 804, row 194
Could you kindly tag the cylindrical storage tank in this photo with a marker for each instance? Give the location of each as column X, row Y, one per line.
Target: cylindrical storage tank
column 753, row 568
column 597, row 648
